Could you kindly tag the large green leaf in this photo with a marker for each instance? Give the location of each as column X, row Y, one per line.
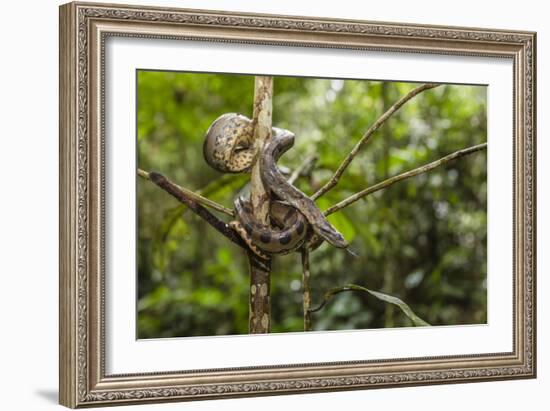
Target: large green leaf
column 417, row 321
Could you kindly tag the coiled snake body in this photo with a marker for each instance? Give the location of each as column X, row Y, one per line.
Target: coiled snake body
column 229, row 148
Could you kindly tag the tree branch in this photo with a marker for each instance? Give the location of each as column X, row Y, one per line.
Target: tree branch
column 194, row 206
column 192, row 195
column 306, row 289
column 303, row 168
column 366, row 137
column 411, row 173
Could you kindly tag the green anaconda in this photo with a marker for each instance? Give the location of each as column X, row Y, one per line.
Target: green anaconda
column 229, row 148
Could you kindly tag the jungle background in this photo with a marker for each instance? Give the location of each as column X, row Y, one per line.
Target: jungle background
column 422, row 239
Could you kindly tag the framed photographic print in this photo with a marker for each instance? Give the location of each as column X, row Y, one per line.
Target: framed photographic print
column 259, row 204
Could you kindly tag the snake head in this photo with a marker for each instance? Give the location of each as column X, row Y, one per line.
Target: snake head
column 228, row 145
column 329, row 233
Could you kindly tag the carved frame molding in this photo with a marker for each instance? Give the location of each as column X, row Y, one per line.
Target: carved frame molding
column 83, row 30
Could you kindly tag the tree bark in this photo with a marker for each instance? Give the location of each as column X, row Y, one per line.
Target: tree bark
column 260, row 270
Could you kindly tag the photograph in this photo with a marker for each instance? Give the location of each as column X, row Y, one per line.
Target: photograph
column 256, row 203
column 374, row 207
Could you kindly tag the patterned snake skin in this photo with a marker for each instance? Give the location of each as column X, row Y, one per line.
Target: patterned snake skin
column 229, row 148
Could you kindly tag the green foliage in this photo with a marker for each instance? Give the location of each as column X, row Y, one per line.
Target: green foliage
column 422, row 240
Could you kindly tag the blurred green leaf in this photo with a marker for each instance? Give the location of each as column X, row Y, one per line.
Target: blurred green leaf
column 417, row 321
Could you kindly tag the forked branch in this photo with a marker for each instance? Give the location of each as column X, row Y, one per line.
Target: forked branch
column 366, row 137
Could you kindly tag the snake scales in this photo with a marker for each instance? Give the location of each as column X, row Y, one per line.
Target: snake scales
column 229, row 148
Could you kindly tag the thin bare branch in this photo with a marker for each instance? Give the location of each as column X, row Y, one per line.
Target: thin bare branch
column 366, row 137
column 306, row 289
column 194, row 196
column 303, row 168
column 194, row 206
column 417, row 321
column 408, row 174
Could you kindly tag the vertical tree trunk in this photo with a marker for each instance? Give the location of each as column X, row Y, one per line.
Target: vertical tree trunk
column 260, row 270
column 259, row 314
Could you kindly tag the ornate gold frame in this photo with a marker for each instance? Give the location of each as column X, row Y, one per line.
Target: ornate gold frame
column 83, row 30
